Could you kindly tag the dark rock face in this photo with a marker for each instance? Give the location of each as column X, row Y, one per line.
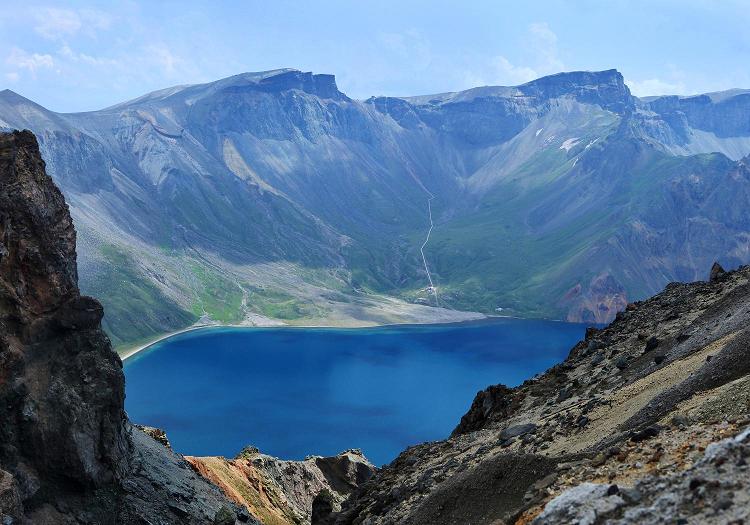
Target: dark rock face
column 496, row 488
column 727, row 117
column 343, row 473
column 323, row 86
column 716, row 272
column 492, row 404
column 651, row 344
column 67, row 451
column 322, row 509
column 606, row 88
column 37, row 258
column 62, row 388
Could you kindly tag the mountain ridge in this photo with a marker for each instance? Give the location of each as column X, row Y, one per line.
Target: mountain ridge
column 275, row 196
column 255, row 76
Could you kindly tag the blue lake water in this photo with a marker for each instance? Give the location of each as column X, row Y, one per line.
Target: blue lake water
column 297, row 391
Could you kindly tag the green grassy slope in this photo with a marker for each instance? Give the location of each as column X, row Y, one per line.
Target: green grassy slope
column 134, row 308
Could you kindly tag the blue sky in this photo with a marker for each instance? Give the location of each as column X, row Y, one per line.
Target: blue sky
column 84, row 55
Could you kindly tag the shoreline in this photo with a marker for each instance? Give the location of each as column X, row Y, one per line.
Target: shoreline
column 127, row 353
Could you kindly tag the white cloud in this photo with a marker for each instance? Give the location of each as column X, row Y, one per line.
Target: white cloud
column 499, row 71
column 32, row 62
column 54, row 23
column 655, row 86
column 67, row 53
column 517, row 74
column 410, row 45
column 96, row 20
column 541, row 44
column 12, row 76
column 164, row 58
column 543, row 41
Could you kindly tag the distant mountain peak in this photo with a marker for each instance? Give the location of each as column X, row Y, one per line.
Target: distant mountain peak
column 606, row 88
column 272, row 81
column 11, row 96
column 18, row 112
column 322, row 85
column 580, row 77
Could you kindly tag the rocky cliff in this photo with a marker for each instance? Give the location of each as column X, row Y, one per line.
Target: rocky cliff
column 68, row 454
column 645, row 422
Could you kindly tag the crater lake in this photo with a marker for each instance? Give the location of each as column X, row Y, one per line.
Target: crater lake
column 294, row 392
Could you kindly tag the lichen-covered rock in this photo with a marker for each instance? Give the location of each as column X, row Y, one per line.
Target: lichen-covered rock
column 157, row 433
column 714, row 490
column 10, row 499
column 585, row 504
column 287, row 492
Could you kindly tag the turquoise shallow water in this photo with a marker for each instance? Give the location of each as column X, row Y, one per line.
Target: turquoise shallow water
column 297, row 391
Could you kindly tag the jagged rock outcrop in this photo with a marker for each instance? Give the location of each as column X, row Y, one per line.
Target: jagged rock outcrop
column 717, row 272
column 157, row 433
column 284, row 492
column 493, row 403
column 62, row 387
column 624, row 422
column 67, row 451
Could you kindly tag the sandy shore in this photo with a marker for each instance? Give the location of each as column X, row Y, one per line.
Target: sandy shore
column 126, row 353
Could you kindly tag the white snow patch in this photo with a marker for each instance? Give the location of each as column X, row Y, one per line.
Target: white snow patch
column 744, row 435
column 591, row 143
column 538, row 132
column 569, row 143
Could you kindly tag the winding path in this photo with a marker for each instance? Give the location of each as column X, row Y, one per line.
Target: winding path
column 421, row 249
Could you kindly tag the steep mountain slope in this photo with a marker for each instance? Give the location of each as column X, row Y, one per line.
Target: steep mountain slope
column 614, row 434
column 274, row 195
